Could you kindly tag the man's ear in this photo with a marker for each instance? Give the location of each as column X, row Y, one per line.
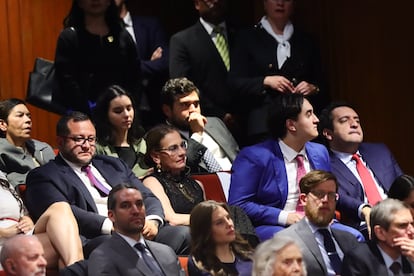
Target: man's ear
column 111, row 215
column 290, row 125
column 379, row 232
column 303, row 198
column 10, row 266
column 167, row 111
column 60, row 141
column 3, row 125
column 328, row 134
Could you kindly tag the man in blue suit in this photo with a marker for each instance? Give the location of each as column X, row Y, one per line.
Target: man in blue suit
column 264, row 182
column 65, row 179
column 341, row 129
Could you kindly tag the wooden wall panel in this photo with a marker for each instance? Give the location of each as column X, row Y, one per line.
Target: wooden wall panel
column 28, row 29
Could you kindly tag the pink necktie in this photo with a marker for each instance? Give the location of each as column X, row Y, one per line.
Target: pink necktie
column 95, row 182
column 300, row 172
column 371, row 190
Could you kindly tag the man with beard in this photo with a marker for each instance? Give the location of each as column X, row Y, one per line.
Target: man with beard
column 23, row 255
column 211, row 147
column 391, row 249
column 127, row 252
column 83, row 179
column 323, row 247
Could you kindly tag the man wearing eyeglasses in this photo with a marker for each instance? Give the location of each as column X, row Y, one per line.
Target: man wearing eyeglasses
column 391, row 248
column 83, row 179
column 323, row 247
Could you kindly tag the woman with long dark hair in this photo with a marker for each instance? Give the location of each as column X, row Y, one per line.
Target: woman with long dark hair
column 216, row 247
column 94, row 51
column 118, row 131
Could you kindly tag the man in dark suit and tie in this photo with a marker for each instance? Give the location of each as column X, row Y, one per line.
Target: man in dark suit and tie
column 152, row 46
column 64, row 179
column 391, row 249
column 194, row 54
column 208, row 137
column 365, row 171
column 127, row 252
column 323, row 247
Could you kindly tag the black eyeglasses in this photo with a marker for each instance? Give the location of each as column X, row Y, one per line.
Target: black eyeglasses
column 321, row 195
column 173, row 150
column 80, row 140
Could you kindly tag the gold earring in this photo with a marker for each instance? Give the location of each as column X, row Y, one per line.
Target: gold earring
column 158, row 168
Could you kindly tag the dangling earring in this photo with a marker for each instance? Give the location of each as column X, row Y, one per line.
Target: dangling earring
column 158, row 168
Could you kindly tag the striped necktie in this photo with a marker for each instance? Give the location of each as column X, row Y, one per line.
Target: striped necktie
column 222, row 47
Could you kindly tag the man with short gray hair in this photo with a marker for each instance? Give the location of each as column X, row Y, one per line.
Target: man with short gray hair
column 391, row 249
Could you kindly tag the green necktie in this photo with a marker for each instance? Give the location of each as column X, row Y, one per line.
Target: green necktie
column 221, row 46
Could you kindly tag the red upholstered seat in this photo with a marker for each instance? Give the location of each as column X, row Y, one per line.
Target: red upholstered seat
column 212, row 186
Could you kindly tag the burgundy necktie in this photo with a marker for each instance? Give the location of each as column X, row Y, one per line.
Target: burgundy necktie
column 368, row 182
column 94, row 181
column 300, row 172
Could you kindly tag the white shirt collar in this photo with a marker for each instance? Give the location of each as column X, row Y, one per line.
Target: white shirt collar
column 290, row 154
column 209, row 27
column 128, row 19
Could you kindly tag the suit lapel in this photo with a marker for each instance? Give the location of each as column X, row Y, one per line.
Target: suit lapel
column 280, row 169
column 338, row 167
column 220, row 138
column 156, row 257
column 208, row 45
column 308, row 238
column 76, row 182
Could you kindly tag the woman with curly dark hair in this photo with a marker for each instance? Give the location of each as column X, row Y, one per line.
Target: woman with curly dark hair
column 94, row 51
column 216, row 247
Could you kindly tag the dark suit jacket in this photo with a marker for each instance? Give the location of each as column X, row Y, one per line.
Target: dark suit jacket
column 312, row 256
column 194, row 55
column 254, row 57
column 117, row 257
column 56, row 181
column 366, row 259
column 221, row 135
column 150, row 35
column 259, row 182
column 382, row 163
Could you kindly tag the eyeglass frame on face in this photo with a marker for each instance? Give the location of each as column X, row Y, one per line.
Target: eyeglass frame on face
column 173, row 150
column 80, row 140
column 331, row 196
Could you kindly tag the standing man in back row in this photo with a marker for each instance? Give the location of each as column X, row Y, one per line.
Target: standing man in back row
column 202, row 54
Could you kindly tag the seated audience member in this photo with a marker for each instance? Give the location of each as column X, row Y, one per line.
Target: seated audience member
column 323, row 246
column 152, row 47
column 403, row 189
column 170, row 182
column 265, row 177
column 365, row 171
column 61, row 247
column 117, row 129
column 391, row 249
column 279, row 256
column 23, row 256
column 18, row 152
column 83, row 179
column 127, row 253
column 216, row 247
column 211, row 147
